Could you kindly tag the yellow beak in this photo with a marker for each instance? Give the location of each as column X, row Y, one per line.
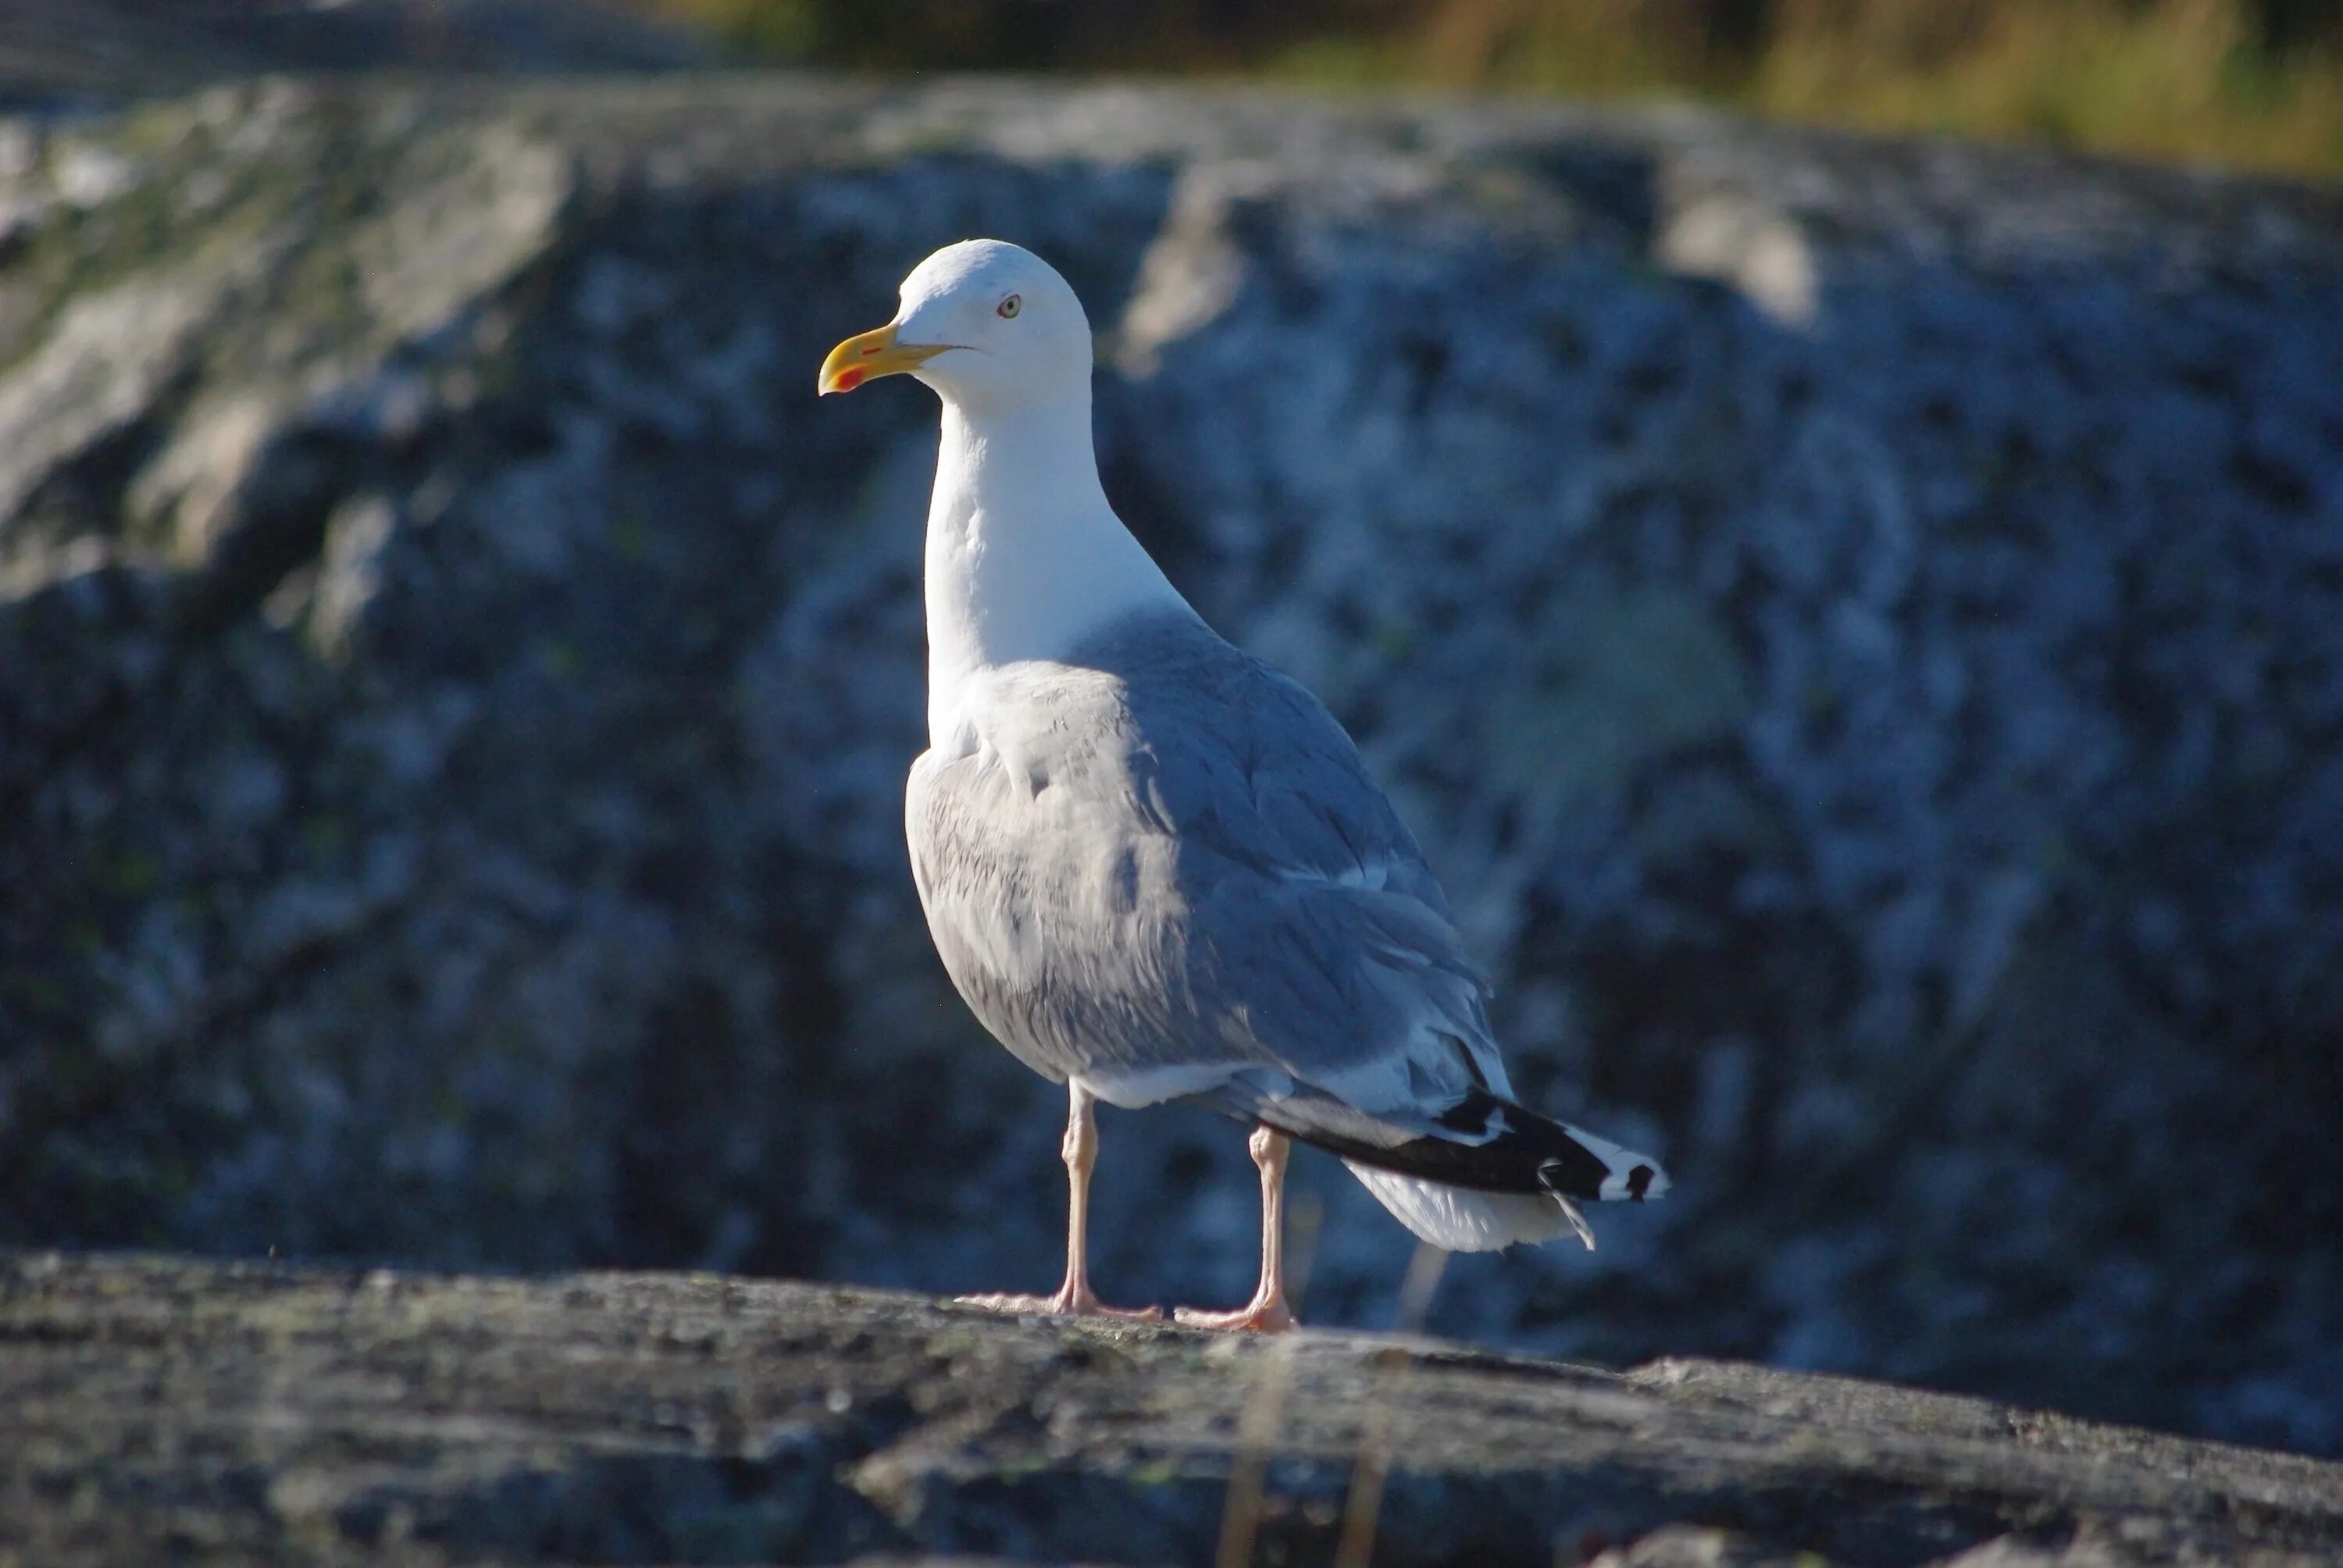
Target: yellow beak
column 870, row 355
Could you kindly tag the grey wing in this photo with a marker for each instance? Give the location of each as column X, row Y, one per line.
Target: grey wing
column 1168, row 873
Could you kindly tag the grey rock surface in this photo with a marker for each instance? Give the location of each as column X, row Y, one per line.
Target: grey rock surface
column 160, row 1408
column 1858, row 626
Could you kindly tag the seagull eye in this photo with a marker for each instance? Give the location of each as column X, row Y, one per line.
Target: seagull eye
column 1011, row 306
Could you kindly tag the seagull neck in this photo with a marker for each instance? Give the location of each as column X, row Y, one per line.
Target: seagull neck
column 1024, row 557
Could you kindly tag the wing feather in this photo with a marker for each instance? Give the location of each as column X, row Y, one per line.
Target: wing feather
column 1163, row 865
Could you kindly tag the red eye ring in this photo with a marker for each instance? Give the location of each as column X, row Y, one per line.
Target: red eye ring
column 1008, row 308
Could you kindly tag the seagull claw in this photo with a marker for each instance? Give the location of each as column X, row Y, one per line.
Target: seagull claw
column 1063, row 1304
column 1255, row 1318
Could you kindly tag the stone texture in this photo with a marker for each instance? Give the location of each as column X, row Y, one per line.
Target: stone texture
column 160, row 1408
column 1859, row 625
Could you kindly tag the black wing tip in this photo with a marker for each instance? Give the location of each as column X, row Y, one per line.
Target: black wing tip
column 1584, row 1175
column 1493, row 1145
column 1577, row 1174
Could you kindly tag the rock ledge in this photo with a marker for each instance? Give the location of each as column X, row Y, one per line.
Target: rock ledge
column 152, row 1406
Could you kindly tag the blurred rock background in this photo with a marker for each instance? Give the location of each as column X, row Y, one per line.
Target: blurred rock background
column 2250, row 82
column 1858, row 624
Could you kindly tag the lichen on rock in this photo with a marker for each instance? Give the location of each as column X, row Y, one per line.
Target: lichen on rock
column 264, row 1414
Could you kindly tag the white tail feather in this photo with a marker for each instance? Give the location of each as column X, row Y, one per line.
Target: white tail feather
column 1464, row 1220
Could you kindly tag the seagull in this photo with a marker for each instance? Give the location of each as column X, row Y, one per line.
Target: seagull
column 1156, row 868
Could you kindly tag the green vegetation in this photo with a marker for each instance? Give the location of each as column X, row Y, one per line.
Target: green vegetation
column 2254, row 84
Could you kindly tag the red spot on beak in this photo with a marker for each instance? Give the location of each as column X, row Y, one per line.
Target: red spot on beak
column 848, row 380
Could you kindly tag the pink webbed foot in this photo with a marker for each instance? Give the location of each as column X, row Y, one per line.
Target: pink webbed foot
column 1063, row 1304
column 1266, row 1313
column 1257, row 1317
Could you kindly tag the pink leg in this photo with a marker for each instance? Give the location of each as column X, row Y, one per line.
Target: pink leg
column 1266, row 1312
column 1074, row 1296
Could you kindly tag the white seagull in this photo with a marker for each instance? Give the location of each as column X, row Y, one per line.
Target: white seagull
column 1155, row 867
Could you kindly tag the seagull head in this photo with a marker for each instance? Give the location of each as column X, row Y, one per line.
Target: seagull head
column 985, row 323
